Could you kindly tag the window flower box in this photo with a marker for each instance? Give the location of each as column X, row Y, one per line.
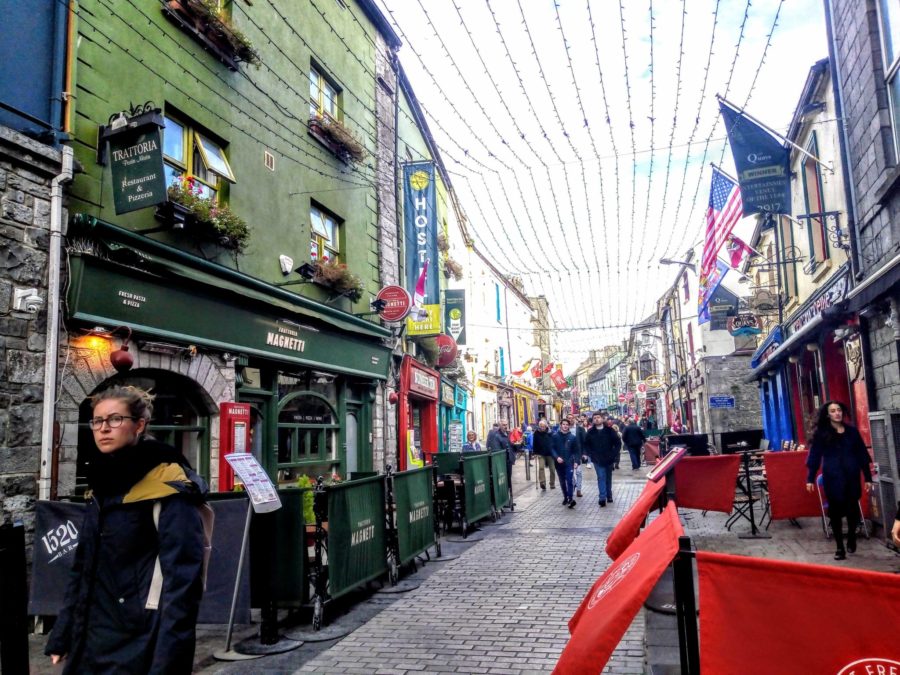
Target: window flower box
column 337, row 138
column 335, row 276
column 212, row 28
column 203, row 217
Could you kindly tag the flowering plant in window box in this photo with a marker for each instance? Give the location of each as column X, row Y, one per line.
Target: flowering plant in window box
column 208, row 23
column 337, row 137
column 336, row 276
column 188, row 206
column 453, row 268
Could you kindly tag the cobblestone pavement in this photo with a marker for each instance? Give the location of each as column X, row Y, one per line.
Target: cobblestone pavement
column 504, row 604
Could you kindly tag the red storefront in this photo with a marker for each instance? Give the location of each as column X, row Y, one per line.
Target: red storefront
column 417, row 412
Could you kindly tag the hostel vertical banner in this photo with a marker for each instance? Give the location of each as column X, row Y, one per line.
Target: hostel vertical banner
column 420, row 219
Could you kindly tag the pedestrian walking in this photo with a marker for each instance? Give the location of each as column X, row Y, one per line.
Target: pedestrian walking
column 841, row 452
column 500, row 441
column 543, row 452
column 472, row 444
column 580, row 430
column 564, row 452
column 493, row 432
column 603, row 445
column 634, row 439
column 142, row 519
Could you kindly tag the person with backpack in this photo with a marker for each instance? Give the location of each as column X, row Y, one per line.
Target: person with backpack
column 633, row 438
column 137, row 579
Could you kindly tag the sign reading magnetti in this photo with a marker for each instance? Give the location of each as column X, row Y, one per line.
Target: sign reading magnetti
column 136, row 162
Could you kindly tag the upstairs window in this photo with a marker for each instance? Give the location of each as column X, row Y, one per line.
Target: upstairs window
column 325, row 230
column 686, row 288
column 189, row 152
column 889, row 14
column 324, row 97
column 815, row 206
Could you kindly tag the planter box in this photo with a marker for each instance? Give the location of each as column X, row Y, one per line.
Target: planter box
column 215, row 39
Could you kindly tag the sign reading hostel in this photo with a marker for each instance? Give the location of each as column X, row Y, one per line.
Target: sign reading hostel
column 420, row 219
column 136, row 163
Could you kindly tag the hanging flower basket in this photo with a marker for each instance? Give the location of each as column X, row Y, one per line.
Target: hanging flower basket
column 205, row 21
column 337, row 138
column 200, row 215
column 339, row 278
column 453, row 269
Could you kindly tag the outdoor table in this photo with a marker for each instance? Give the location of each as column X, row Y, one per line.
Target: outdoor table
column 751, row 480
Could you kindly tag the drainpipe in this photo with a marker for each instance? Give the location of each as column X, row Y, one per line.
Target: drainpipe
column 847, row 172
column 52, row 346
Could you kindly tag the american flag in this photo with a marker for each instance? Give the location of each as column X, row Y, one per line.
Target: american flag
column 723, row 212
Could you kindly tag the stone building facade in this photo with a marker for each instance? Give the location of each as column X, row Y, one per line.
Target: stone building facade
column 724, row 377
column 26, row 170
column 865, row 73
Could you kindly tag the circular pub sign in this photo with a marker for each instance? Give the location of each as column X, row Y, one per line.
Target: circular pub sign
column 446, row 350
column 397, row 303
column 621, row 398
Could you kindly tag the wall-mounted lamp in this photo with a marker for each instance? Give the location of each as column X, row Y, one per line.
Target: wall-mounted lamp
column 668, row 261
column 812, row 347
column 793, row 358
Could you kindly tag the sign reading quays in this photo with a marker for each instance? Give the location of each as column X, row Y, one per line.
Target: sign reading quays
column 136, row 163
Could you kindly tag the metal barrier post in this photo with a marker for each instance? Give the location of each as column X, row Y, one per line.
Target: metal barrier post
column 686, row 608
column 13, row 600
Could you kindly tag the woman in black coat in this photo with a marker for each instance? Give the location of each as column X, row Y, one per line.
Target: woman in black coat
column 843, row 456
column 136, row 582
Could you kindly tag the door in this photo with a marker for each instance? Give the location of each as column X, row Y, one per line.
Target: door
column 351, row 428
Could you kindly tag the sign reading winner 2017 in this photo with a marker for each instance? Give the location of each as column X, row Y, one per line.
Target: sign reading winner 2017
column 136, row 162
column 420, row 218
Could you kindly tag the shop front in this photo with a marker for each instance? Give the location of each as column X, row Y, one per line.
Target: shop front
column 202, row 337
column 774, row 393
column 418, row 413
column 506, row 405
column 526, row 400
column 453, row 423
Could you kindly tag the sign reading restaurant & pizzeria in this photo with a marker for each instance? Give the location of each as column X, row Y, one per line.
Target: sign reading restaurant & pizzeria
column 136, row 164
column 834, row 294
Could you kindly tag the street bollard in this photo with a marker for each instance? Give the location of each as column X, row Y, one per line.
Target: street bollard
column 13, row 600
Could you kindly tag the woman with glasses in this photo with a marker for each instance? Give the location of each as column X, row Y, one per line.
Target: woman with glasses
column 136, row 582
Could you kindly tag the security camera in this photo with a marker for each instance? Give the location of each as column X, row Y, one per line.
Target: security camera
column 27, row 300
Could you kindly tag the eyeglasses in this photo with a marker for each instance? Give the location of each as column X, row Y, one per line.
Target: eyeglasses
column 114, row 421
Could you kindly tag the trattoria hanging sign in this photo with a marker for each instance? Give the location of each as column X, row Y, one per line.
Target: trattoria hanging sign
column 136, row 164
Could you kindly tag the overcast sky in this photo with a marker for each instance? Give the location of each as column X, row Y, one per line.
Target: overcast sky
column 579, row 133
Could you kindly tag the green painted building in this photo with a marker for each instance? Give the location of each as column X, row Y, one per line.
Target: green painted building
column 260, row 122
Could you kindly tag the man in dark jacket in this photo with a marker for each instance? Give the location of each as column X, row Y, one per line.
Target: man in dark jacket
column 542, row 442
column 500, row 441
column 602, row 445
column 564, row 451
column 633, row 438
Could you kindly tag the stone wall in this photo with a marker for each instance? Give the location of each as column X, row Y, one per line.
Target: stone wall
column 724, row 376
column 26, row 169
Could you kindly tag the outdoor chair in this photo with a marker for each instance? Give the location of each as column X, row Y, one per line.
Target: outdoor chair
column 823, row 506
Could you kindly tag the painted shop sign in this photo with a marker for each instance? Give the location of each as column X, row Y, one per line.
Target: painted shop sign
column 447, row 394
column 136, row 164
column 744, row 324
column 423, row 383
column 831, row 296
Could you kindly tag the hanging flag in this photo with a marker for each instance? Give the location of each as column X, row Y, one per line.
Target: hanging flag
column 708, row 285
column 763, row 164
column 536, row 369
column 549, row 367
column 558, row 379
column 723, row 211
column 525, row 366
column 739, row 251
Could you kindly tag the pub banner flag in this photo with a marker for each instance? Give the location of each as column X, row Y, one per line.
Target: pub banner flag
column 771, row 616
column 628, row 528
column 420, row 219
column 762, row 162
column 609, row 607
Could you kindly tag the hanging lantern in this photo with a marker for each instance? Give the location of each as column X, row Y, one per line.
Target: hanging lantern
column 121, row 359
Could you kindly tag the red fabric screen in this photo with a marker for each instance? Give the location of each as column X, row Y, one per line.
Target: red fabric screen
column 773, row 617
column 786, row 473
column 614, row 599
column 707, row 482
column 627, row 529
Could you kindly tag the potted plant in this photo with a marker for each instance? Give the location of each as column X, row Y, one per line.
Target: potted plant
column 337, row 276
column 188, row 207
column 212, row 27
column 337, row 138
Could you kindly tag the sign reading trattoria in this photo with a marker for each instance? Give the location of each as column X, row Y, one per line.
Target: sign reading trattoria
column 136, row 164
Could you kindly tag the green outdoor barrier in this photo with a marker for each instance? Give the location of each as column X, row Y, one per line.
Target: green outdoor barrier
column 447, row 462
column 414, row 497
column 356, row 534
column 278, row 567
column 499, row 479
column 477, row 477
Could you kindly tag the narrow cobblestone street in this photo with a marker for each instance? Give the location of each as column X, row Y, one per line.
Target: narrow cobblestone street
column 504, row 604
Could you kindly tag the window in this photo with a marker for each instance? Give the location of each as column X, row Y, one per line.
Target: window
column 324, row 97
column 815, row 205
column 691, row 344
column 324, row 244
column 502, row 362
column 497, row 301
column 889, row 12
column 788, row 252
column 188, row 152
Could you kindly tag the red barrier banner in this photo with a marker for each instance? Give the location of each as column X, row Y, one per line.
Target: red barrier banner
column 776, row 617
column 786, row 475
column 615, row 598
column 627, row 529
column 707, row 483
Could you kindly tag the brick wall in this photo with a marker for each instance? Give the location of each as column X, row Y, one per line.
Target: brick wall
column 26, row 169
column 724, row 376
